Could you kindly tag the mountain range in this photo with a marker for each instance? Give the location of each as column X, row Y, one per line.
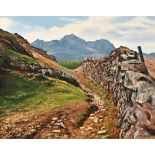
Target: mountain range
column 150, row 55
column 72, row 47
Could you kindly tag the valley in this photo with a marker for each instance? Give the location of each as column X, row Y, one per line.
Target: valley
column 45, row 98
column 40, row 99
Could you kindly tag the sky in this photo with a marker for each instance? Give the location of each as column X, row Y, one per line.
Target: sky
column 129, row 31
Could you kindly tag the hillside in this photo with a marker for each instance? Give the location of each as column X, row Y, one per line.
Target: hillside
column 71, row 47
column 33, row 90
column 17, row 53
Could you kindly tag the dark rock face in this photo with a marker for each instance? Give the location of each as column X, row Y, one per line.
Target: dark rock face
column 127, row 80
column 44, row 70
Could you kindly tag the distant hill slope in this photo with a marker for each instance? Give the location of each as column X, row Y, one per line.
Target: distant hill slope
column 71, row 47
column 150, row 64
column 150, row 55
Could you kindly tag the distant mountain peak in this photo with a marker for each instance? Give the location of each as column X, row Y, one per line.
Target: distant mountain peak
column 39, row 40
column 73, row 47
column 71, row 37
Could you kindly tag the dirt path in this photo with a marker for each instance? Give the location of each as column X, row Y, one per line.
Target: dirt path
column 76, row 120
column 92, row 127
column 56, row 123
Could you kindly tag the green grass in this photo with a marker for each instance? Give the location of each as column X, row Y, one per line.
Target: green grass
column 18, row 93
column 71, row 64
column 11, row 56
column 102, row 93
column 110, row 119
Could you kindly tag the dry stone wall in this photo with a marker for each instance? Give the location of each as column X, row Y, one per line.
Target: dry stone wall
column 127, row 80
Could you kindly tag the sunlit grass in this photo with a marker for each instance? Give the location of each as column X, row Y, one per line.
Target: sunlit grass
column 19, row 93
column 110, row 120
column 71, row 64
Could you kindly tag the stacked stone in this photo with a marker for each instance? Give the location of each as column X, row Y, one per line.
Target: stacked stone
column 126, row 78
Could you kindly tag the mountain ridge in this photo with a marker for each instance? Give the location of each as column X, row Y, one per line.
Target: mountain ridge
column 72, row 47
column 149, row 55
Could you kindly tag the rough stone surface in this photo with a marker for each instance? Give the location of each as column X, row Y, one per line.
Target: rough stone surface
column 126, row 79
column 48, row 71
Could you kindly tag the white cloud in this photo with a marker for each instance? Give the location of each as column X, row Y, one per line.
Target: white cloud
column 6, row 23
column 88, row 29
column 126, row 31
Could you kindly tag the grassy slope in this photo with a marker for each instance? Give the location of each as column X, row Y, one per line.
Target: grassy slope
column 20, row 93
column 15, row 57
column 71, row 64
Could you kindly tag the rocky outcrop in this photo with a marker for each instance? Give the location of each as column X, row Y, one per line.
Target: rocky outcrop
column 47, row 71
column 127, row 80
